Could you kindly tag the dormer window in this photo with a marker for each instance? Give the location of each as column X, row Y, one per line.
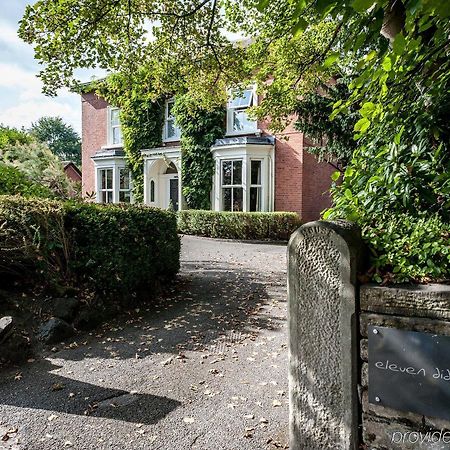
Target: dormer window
column 238, row 121
column 114, row 127
column 171, row 131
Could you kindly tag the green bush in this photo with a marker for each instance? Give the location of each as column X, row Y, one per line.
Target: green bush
column 105, row 248
column 33, row 239
column 406, row 248
column 122, row 248
column 13, row 181
column 238, row 225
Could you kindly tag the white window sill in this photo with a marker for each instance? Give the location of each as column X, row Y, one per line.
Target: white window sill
column 175, row 139
column 256, row 132
column 105, row 147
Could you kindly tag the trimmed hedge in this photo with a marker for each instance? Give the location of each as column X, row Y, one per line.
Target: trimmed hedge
column 123, row 247
column 239, row 225
column 107, row 248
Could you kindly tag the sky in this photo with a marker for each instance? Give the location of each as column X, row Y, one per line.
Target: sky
column 21, row 98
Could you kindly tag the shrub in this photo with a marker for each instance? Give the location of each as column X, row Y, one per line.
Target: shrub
column 33, row 237
column 13, row 181
column 239, row 225
column 122, row 248
column 406, row 248
column 106, row 248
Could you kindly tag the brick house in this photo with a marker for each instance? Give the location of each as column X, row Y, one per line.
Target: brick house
column 254, row 170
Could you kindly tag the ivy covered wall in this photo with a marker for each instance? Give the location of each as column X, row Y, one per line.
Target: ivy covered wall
column 199, row 130
column 142, row 120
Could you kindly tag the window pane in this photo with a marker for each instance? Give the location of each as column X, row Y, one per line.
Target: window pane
column 226, row 199
column 109, row 195
column 237, row 199
column 124, row 179
column 109, row 179
column 116, row 135
column 169, row 109
column 244, row 100
column 115, row 117
column 152, row 191
column 255, row 199
column 226, row 172
column 171, row 129
column 124, row 196
column 106, row 178
column 255, row 172
column 237, row 172
column 241, row 122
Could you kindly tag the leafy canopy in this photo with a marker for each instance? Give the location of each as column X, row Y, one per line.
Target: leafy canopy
column 61, row 138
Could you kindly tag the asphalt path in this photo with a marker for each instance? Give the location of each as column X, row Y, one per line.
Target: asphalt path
column 203, row 368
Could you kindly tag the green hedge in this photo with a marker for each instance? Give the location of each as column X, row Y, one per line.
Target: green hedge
column 123, row 247
column 238, row 225
column 105, row 248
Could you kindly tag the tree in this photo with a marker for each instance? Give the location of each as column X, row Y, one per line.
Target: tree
column 61, row 138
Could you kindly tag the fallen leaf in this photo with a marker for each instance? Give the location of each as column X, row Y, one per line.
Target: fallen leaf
column 188, row 420
column 57, row 386
column 52, row 417
column 276, row 403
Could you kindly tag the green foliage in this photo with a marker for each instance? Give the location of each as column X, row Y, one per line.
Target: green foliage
column 37, row 162
column 335, row 136
column 33, row 239
column 11, row 136
column 14, row 182
column 199, row 130
column 121, row 249
column 61, row 138
column 141, row 118
column 238, row 225
column 408, row 248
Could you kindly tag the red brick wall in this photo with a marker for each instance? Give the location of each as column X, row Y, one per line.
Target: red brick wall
column 316, row 185
column 289, row 172
column 72, row 173
column 94, row 136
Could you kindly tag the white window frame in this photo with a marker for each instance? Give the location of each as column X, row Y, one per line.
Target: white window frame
column 259, row 186
column 116, row 165
column 100, row 188
column 253, row 101
column 110, row 128
column 177, row 135
column 232, row 186
column 129, row 188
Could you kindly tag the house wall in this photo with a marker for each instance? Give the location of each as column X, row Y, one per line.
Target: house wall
column 94, row 136
column 301, row 183
column 316, row 182
column 72, row 173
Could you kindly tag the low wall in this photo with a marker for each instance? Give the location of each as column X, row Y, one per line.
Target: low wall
column 414, row 308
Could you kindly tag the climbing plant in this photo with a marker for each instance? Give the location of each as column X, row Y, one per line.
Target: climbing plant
column 141, row 118
column 199, row 129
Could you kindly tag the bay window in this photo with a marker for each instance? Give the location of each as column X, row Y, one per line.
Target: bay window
column 255, row 185
column 124, row 185
column 106, row 192
column 232, row 188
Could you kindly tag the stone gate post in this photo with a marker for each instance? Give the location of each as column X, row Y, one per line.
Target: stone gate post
column 323, row 357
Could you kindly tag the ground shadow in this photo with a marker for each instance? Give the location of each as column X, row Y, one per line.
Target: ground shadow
column 59, row 394
column 210, row 303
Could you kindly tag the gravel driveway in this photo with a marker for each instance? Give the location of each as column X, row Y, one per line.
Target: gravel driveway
column 206, row 368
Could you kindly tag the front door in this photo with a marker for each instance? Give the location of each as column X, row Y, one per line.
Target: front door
column 173, row 192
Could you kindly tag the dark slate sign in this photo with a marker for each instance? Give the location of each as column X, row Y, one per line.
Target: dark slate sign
column 409, row 371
